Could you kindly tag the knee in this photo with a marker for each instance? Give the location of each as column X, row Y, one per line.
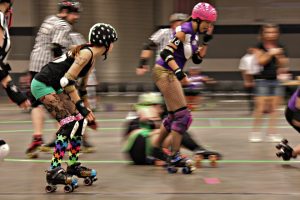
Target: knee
column 182, row 121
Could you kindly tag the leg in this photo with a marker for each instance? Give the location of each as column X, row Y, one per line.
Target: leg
column 60, row 112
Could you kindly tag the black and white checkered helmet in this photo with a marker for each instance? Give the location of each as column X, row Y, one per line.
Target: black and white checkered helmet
column 102, row 34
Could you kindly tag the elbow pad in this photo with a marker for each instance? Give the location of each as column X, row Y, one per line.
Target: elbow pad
column 166, row 54
column 57, row 50
column 196, row 59
column 14, row 93
column 68, row 79
column 4, row 70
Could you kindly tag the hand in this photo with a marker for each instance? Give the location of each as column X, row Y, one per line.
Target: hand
column 210, row 30
column 185, row 81
column 141, row 71
column 93, row 125
column 25, row 105
column 90, row 117
column 275, row 51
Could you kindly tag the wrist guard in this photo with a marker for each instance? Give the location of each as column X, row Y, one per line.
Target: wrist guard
column 81, row 108
column 14, row 93
column 179, row 74
column 196, row 58
column 143, row 61
column 206, row 39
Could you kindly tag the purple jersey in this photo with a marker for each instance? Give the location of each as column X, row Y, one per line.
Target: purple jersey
column 184, row 50
column 292, row 101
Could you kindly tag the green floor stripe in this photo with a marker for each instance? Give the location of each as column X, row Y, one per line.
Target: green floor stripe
column 128, row 162
column 121, row 128
column 123, row 120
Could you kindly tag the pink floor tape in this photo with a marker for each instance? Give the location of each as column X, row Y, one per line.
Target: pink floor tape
column 212, row 181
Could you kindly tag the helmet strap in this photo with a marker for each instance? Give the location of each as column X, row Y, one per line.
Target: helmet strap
column 198, row 23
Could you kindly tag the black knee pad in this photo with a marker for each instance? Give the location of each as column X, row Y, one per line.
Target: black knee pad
column 68, row 129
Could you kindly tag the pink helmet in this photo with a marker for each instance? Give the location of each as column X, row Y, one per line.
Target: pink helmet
column 204, row 11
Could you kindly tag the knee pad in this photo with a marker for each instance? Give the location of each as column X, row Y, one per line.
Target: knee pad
column 182, row 121
column 167, row 122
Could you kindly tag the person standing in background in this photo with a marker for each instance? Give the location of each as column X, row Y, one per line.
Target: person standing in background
column 269, row 92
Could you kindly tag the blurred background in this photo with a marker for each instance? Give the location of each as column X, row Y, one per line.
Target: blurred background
column 135, row 20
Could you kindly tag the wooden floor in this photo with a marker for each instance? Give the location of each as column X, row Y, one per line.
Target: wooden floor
column 248, row 171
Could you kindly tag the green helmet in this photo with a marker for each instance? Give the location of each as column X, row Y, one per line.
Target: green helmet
column 150, row 98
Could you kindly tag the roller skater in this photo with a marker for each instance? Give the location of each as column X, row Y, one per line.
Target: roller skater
column 54, row 86
column 169, row 77
column 285, row 151
column 292, row 115
column 59, row 176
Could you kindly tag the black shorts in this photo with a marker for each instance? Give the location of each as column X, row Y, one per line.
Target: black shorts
column 289, row 117
column 138, row 151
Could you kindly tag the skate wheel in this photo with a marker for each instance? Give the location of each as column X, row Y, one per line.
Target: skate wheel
column 213, row 160
column 50, row 188
column 88, row 181
column 68, row 189
column 198, row 159
column 186, row 170
column 172, row 170
column 278, row 146
column 284, row 141
column 95, row 179
column 279, row 154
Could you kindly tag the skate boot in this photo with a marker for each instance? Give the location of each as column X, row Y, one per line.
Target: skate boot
column 89, row 175
column 87, row 147
column 59, row 176
column 179, row 161
column 204, row 154
column 32, row 151
column 285, row 151
column 158, row 156
column 47, row 147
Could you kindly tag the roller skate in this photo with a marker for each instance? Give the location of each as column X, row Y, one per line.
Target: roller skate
column 47, row 147
column 158, row 156
column 204, row 154
column 89, row 175
column 59, row 176
column 87, row 147
column 32, row 151
column 178, row 161
column 285, row 151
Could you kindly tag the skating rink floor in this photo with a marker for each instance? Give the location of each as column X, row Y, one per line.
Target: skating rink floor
column 248, row 170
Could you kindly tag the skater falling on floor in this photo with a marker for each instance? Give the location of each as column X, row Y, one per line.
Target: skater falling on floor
column 54, row 86
column 142, row 129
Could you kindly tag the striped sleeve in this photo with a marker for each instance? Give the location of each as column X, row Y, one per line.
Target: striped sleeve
column 62, row 33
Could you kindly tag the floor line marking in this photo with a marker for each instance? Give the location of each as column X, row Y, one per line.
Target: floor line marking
column 128, row 162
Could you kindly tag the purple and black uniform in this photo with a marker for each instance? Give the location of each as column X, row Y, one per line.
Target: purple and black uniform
column 291, row 109
column 184, row 50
